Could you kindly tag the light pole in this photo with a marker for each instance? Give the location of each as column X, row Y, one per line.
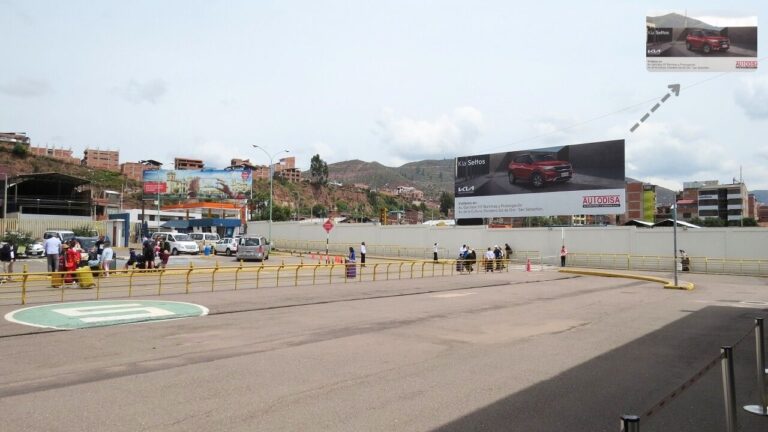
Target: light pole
column 271, row 174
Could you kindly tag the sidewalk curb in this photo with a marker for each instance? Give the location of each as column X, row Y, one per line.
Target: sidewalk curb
column 687, row 286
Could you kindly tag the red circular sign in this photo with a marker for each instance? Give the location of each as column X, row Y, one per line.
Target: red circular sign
column 328, row 226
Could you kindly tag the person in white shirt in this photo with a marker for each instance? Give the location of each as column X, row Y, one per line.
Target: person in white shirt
column 362, row 254
column 434, row 252
column 107, row 255
column 52, row 246
column 489, row 257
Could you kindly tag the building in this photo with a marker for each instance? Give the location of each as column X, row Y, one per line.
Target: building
column 753, row 207
column 410, row 193
column 102, row 159
column 11, row 139
column 728, row 202
column 56, row 153
column 135, row 170
column 641, row 202
column 187, row 164
column 286, row 169
column 762, row 214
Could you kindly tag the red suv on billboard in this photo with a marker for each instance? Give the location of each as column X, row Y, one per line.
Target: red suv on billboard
column 539, row 169
column 707, row 41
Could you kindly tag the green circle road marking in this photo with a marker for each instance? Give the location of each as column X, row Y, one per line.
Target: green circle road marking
column 76, row 315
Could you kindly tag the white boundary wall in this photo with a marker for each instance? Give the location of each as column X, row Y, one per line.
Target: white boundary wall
column 730, row 243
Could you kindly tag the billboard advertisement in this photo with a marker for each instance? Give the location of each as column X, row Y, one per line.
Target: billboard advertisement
column 198, row 184
column 565, row 180
column 691, row 41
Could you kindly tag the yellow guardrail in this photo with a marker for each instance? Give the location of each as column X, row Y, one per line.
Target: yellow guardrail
column 29, row 287
column 744, row 267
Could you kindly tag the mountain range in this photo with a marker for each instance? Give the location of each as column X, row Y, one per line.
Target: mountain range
column 429, row 176
column 679, row 21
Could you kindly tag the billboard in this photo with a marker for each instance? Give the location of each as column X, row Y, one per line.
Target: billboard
column 700, row 42
column 198, row 184
column 565, row 180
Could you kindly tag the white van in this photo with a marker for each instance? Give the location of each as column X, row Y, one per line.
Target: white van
column 204, row 239
column 253, row 247
column 180, row 243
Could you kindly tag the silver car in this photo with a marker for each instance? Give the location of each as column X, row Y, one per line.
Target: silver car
column 252, row 247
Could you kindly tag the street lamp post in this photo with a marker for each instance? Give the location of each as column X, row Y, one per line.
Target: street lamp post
column 271, row 175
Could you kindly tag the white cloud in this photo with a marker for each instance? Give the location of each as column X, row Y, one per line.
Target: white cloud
column 214, row 154
column 412, row 139
column 137, row 92
column 669, row 154
column 25, row 87
column 752, row 97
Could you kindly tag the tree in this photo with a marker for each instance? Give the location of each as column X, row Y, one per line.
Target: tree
column 20, row 150
column 713, row 222
column 318, row 170
column 446, row 202
column 749, row 222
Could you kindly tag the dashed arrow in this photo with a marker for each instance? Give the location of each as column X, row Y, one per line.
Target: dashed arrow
column 674, row 88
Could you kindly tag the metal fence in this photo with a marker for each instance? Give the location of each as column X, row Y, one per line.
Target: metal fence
column 744, row 267
column 28, row 287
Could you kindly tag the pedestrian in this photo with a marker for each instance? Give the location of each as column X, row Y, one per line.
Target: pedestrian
column 350, row 264
column 148, row 252
column 351, row 257
column 71, row 261
column 434, row 252
column 563, row 254
column 7, row 256
column 508, row 253
column 685, row 261
column 497, row 255
column 99, row 245
column 362, row 254
column 471, row 260
column 107, row 255
column 52, row 246
column 165, row 252
column 489, row 257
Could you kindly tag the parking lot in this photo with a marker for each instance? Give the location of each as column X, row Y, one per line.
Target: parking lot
column 528, row 351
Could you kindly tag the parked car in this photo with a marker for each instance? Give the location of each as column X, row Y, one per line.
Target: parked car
column 35, row 249
column 180, row 243
column 253, row 247
column 226, row 246
column 539, row 169
column 707, row 41
column 63, row 235
column 204, row 239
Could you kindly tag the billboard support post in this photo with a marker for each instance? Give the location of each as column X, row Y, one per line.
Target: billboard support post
column 674, row 236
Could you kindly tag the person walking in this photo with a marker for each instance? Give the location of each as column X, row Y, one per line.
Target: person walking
column 7, row 257
column 52, row 247
column 434, row 252
column 107, row 255
column 508, row 253
column 563, row 254
column 362, row 254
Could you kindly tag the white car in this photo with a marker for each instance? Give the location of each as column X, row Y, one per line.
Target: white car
column 35, row 249
column 180, row 243
column 226, row 246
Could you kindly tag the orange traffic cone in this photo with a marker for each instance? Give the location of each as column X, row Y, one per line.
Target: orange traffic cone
column 528, row 265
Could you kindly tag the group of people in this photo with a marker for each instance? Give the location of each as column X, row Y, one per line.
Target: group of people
column 494, row 258
column 67, row 256
column 151, row 252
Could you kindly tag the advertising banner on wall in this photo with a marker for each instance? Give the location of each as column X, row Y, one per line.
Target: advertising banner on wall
column 565, row 180
column 691, row 41
column 198, row 184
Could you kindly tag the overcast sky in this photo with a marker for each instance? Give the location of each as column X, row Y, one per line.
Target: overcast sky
column 386, row 81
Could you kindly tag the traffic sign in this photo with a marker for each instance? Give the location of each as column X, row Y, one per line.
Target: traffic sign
column 76, row 315
column 328, row 225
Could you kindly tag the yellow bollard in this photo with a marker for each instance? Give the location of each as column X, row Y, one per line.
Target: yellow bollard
column 24, row 276
column 296, row 277
column 237, row 273
column 160, row 282
column 213, row 275
column 130, row 282
column 189, row 272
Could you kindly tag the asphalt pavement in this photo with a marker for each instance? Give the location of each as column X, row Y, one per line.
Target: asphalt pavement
column 519, row 351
